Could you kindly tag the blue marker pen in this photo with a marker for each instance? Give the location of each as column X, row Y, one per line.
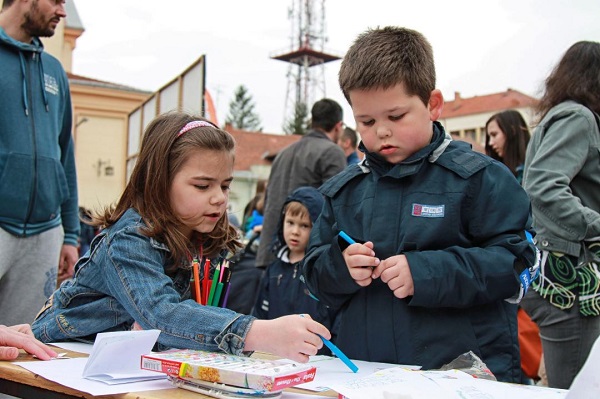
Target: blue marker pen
column 338, row 352
column 347, row 238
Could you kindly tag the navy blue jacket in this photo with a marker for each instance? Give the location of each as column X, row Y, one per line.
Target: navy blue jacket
column 458, row 216
column 283, row 290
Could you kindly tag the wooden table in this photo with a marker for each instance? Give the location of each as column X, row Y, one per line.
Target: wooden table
column 22, row 383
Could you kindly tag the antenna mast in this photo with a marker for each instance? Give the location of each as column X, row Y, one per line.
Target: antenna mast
column 307, row 56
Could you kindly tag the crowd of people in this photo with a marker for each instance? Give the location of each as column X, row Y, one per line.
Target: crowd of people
column 401, row 244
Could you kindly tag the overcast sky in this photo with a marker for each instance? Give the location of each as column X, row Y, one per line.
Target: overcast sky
column 480, row 47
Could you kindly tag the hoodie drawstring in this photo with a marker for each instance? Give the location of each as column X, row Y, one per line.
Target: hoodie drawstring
column 25, row 103
column 42, row 82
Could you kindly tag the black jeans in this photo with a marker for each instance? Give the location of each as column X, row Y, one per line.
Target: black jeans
column 567, row 337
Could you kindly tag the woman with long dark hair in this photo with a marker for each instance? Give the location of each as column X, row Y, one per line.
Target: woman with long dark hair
column 506, row 139
column 562, row 178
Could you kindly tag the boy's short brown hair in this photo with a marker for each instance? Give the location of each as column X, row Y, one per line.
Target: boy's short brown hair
column 295, row 208
column 385, row 57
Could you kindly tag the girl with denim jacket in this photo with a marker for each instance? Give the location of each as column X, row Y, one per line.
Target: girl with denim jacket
column 136, row 274
column 562, row 178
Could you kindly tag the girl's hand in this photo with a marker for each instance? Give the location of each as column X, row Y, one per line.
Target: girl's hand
column 292, row 337
column 360, row 260
column 395, row 272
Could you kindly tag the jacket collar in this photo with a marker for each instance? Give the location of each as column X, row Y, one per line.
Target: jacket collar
column 412, row 164
column 35, row 45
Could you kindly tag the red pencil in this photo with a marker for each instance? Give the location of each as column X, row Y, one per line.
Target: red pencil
column 206, row 281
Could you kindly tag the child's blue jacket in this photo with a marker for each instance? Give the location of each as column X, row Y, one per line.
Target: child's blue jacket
column 458, row 216
column 282, row 290
column 125, row 278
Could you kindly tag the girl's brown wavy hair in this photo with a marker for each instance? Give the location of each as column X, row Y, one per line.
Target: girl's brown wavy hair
column 162, row 154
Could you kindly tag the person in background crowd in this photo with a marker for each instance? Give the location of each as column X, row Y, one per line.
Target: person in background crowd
column 348, row 141
column 506, row 139
column 308, row 162
column 562, row 178
column 507, row 136
column 254, row 221
column 283, row 291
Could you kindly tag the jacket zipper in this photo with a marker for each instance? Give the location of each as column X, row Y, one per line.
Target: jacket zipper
column 33, row 190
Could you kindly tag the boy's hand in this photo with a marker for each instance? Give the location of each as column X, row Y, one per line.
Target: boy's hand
column 360, row 260
column 395, row 272
column 292, row 337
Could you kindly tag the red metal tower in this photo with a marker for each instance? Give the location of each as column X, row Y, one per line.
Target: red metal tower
column 307, row 56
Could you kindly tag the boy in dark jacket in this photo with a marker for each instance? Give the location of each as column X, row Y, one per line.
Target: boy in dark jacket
column 283, row 290
column 439, row 228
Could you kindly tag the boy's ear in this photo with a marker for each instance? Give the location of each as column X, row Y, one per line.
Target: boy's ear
column 436, row 104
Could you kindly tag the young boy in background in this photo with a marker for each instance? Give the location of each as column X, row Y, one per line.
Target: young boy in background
column 283, row 290
column 439, row 228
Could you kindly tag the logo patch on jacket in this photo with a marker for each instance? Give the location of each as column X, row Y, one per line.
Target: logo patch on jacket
column 51, row 85
column 428, row 211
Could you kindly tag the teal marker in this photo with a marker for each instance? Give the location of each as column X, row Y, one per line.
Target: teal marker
column 338, row 352
column 347, row 238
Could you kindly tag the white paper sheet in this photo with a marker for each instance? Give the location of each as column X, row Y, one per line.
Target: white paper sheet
column 296, row 395
column 74, row 346
column 113, row 365
column 587, row 382
column 399, row 383
column 68, row 372
column 331, row 370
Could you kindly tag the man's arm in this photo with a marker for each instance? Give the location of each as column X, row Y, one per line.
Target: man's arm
column 70, row 208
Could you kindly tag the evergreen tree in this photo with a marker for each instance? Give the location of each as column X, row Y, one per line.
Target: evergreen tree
column 241, row 111
column 299, row 122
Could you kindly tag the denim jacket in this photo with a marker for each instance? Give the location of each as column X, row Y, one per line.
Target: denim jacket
column 122, row 280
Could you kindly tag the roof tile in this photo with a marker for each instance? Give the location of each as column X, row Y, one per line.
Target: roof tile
column 486, row 103
column 257, row 148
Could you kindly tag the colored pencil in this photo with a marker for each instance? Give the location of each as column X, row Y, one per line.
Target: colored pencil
column 205, row 282
column 227, row 288
column 217, row 296
column 213, row 287
column 196, row 277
